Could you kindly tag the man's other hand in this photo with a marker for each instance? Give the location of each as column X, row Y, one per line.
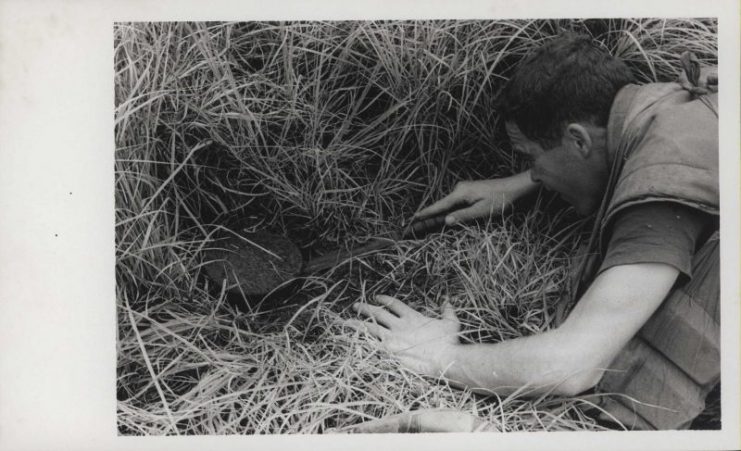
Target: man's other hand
column 421, row 344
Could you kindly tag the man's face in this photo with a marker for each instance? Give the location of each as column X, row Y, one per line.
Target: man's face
column 579, row 177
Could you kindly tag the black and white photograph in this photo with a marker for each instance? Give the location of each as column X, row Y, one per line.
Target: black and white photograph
column 374, row 228
column 417, row 226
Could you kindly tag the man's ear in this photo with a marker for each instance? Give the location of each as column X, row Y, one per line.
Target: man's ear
column 579, row 138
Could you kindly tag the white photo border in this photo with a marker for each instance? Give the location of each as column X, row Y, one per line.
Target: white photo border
column 57, row 296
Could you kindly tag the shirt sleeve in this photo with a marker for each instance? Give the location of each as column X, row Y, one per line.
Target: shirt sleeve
column 656, row 232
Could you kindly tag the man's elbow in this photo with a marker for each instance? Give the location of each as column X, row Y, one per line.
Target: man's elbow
column 575, row 384
column 575, row 373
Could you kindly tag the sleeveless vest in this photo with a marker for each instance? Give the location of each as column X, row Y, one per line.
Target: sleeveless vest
column 663, row 141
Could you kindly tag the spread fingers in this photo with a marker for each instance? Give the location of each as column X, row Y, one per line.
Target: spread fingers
column 376, row 330
column 379, row 314
column 399, row 308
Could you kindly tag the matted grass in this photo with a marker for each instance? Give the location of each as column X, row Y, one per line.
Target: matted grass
column 329, row 133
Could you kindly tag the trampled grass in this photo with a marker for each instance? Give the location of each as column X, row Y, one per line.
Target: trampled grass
column 330, row 133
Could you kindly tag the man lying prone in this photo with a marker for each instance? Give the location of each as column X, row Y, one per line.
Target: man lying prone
column 642, row 321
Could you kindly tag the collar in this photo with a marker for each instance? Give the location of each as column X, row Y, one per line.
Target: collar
column 621, row 106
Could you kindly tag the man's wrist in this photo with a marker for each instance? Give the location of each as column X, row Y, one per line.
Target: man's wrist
column 446, row 359
column 523, row 183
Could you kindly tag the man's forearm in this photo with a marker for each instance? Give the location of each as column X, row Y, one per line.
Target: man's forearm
column 572, row 358
column 566, row 361
column 537, row 364
column 513, row 187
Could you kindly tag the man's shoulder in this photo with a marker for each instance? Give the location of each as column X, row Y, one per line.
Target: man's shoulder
column 687, row 119
column 676, row 143
column 667, row 105
column 679, row 130
column 669, row 149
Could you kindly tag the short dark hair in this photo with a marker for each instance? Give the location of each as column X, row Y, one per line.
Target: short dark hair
column 567, row 79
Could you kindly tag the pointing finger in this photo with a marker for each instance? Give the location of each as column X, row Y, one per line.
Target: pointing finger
column 441, row 206
column 480, row 209
column 399, row 308
column 375, row 312
column 462, row 215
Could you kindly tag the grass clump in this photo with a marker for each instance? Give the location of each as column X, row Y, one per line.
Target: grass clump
column 329, row 133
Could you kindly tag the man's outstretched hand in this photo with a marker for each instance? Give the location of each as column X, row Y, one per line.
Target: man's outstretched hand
column 480, row 198
column 422, row 344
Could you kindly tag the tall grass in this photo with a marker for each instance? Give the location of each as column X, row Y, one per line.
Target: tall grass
column 328, row 133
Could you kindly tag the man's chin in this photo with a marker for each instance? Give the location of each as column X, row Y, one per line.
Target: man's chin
column 581, row 206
